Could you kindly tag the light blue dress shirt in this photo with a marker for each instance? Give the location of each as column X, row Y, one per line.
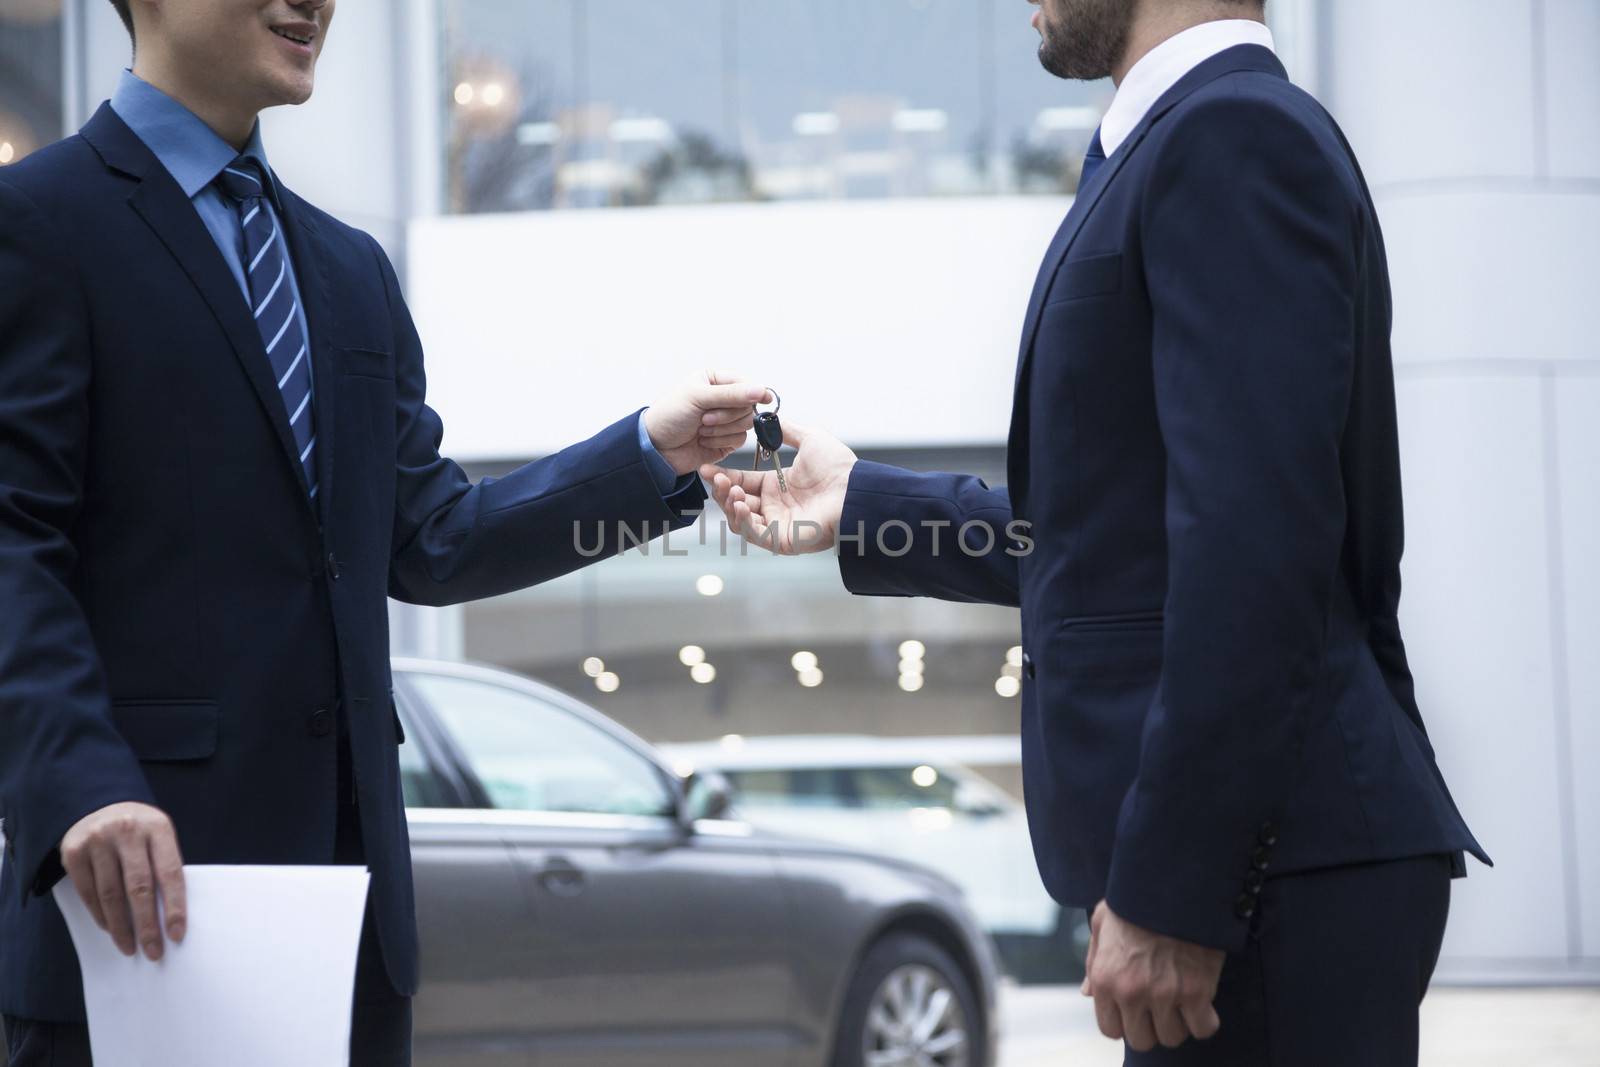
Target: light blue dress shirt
column 194, row 155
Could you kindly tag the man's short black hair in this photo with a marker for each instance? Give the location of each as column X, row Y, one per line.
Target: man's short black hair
column 125, row 14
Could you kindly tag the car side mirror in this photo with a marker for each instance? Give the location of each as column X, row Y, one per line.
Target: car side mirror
column 976, row 802
column 706, row 795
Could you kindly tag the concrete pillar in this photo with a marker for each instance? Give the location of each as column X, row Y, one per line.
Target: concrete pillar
column 1478, row 125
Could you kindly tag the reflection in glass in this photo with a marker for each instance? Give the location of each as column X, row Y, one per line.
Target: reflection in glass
column 614, row 103
column 30, row 76
column 530, row 756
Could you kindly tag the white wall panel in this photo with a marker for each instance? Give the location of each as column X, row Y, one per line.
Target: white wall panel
column 1578, row 449
column 1492, row 275
column 1433, row 88
column 887, row 322
column 1476, row 619
column 1572, row 86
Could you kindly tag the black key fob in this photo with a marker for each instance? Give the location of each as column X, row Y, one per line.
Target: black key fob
column 769, row 433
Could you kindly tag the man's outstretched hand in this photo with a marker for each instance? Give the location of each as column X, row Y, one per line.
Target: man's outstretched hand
column 1148, row 987
column 803, row 519
column 117, row 858
column 704, row 421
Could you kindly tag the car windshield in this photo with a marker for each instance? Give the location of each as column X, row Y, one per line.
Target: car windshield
column 858, row 788
column 534, row 756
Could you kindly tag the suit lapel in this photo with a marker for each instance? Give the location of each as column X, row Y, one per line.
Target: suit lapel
column 169, row 213
column 1082, row 205
column 1238, row 58
column 311, row 257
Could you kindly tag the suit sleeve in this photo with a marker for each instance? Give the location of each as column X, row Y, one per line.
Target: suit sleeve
column 455, row 540
column 947, row 536
column 60, row 756
column 1250, row 244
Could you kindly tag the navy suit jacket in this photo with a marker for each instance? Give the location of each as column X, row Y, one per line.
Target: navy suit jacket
column 1203, row 441
column 182, row 625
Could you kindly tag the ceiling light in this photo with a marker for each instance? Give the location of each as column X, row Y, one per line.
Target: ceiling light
column 689, row 655
column 1014, row 655
column 708, row 584
column 912, row 649
column 911, row 666
column 593, row 666
column 607, row 682
column 911, row 682
column 703, row 673
column 811, row 677
column 803, row 661
column 925, row 776
column 1007, row 686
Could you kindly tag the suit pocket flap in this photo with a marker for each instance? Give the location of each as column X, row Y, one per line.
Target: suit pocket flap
column 167, row 729
column 366, row 362
column 1089, row 276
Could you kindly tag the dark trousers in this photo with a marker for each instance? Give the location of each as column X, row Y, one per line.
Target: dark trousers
column 1334, row 972
column 380, row 1023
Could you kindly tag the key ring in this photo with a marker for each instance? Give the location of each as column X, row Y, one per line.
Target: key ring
column 777, row 402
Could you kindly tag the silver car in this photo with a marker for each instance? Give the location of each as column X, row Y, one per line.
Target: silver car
column 579, row 903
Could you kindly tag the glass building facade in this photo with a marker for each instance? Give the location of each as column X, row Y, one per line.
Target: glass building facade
column 583, row 103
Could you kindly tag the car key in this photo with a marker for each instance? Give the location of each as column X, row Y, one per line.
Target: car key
column 769, row 438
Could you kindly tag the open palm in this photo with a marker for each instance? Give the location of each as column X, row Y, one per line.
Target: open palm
column 805, row 517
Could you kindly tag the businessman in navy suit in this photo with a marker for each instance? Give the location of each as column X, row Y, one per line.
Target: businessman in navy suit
column 1222, row 755
column 216, row 462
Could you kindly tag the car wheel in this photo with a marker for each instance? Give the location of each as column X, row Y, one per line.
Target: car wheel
column 909, row 1005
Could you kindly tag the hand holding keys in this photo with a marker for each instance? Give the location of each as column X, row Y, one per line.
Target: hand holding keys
column 788, row 513
column 769, row 437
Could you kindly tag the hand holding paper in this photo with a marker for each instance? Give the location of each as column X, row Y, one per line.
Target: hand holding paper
column 265, row 976
column 117, row 858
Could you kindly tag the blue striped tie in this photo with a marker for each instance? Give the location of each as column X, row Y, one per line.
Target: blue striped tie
column 272, row 299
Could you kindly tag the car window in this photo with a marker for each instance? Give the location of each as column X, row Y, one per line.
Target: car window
column 533, row 756
column 804, row 787
column 918, row 786
column 420, row 784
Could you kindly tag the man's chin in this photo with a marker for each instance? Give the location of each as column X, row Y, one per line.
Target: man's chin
column 288, row 90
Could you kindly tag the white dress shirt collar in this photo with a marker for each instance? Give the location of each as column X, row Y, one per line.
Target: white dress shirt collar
column 1164, row 65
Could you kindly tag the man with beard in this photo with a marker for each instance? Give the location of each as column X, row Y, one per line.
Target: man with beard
column 216, row 462
column 1222, row 754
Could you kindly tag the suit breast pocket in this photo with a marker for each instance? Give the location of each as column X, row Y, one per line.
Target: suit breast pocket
column 1097, row 275
column 366, row 362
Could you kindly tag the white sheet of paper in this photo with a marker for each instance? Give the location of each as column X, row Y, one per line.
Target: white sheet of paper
column 263, row 977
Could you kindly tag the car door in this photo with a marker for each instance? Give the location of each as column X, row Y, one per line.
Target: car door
column 471, row 916
column 651, row 943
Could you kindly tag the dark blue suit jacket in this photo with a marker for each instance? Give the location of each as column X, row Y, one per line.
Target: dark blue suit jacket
column 182, row 625
column 1203, row 440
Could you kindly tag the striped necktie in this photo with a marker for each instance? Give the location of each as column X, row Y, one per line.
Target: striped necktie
column 1092, row 160
column 272, row 299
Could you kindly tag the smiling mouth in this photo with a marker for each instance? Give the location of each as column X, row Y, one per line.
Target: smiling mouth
column 287, row 36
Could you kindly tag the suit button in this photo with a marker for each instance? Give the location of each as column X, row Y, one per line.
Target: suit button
column 321, row 722
column 333, row 567
column 1260, row 857
column 1245, row 906
column 1268, row 835
column 1252, row 882
column 1027, row 664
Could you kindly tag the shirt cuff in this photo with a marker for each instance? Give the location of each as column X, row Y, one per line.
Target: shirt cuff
column 668, row 481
